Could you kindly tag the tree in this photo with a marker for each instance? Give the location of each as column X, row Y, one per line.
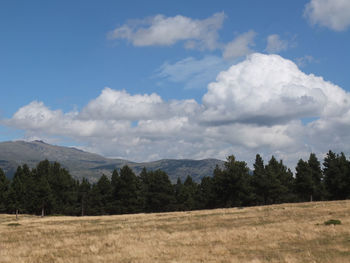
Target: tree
column 337, row 176
column 64, row 190
column 4, row 191
column 233, row 185
column 101, row 196
column 42, row 191
column 84, row 196
column 129, row 192
column 192, row 190
column 207, row 198
column 259, row 182
column 280, row 182
column 188, row 195
column 317, row 177
column 115, row 183
column 157, row 191
column 304, row 185
column 43, row 195
column 17, row 191
column 29, row 185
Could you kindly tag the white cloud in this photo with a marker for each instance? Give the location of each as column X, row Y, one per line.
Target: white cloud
column 275, row 44
column 255, row 106
column 334, row 14
column 240, row 46
column 192, row 72
column 267, row 89
column 166, row 31
column 119, row 105
column 303, row 61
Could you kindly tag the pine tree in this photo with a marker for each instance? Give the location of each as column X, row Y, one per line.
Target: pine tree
column 17, row 191
column 259, row 182
column 233, row 184
column 43, row 198
column 317, row 178
column 4, row 191
column 157, row 191
column 129, row 192
column 337, row 176
column 207, row 193
column 304, row 185
column 84, row 197
column 280, row 182
column 115, row 183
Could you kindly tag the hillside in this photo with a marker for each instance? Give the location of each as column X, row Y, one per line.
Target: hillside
column 278, row 233
column 92, row 166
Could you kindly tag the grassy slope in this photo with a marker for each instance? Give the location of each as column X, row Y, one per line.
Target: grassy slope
column 278, row 233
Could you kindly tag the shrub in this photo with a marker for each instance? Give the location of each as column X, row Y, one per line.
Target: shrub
column 14, row 224
column 332, row 222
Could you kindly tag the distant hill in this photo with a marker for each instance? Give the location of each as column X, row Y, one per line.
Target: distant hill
column 92, row 166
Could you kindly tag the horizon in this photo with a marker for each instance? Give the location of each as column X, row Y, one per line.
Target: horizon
column 161, row 80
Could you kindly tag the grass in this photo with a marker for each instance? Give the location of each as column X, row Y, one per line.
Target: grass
column 278, row 233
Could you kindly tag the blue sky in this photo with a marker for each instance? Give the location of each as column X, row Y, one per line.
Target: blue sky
column 132, row 79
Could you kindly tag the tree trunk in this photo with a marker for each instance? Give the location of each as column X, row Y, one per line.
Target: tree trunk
column 310, row 198
column 16, row 214
column 42, row 212
column 82, row 208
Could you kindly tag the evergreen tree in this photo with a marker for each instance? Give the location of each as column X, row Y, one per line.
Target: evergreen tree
column 188, row 195
column 192, row 192
column 304, row 185
column 280, row 182
column 337, row 176
column 64, row 190
column 129, row 192
column 115, row 183
column 319, row 191
column 43, row 196
column 157, row 191
column 17, row 191
column 259, row 182
column 4, row 191
column 180, row 195
column 84, row 197
column 104, row 187
column 30, row 185
column 207, row 193
column 233, row 185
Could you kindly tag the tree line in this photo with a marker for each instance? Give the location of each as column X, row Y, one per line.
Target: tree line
column 50, row 189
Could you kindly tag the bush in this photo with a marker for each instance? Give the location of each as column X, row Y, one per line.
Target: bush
column 332, row 222
column 14, row 224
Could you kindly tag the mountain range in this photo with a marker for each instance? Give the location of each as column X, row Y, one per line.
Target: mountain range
column 91, row 166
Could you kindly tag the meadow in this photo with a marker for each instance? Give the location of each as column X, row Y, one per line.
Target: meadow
column 276, row 233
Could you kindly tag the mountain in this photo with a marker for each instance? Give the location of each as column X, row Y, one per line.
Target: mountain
column 84, row 164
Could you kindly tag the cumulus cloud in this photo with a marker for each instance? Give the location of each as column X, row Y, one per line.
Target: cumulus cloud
column 120, row 105
column 275, row 44
column 267, row 89
column 160, row 30
column 255, row 106
column 334, row 14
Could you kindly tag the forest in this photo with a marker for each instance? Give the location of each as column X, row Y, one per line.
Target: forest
column 49, row 189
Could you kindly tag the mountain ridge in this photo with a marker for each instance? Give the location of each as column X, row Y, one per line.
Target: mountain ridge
column 81, row 163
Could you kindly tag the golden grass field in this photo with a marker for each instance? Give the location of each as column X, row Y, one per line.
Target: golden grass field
column 277, row 233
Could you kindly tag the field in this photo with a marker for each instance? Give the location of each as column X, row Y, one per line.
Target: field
column 277, row 233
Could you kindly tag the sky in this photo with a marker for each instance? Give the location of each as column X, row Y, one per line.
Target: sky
column 148, row 80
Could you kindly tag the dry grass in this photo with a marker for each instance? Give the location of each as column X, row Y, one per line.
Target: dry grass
column 278, row 233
